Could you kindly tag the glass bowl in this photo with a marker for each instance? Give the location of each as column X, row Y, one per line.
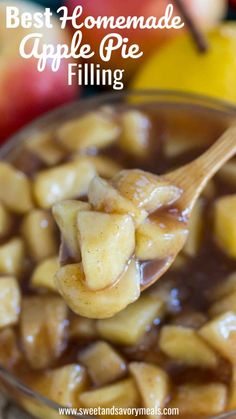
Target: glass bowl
column 180, row 113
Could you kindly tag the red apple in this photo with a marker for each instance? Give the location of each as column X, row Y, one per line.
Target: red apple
column 24, row 92
column 206, row 13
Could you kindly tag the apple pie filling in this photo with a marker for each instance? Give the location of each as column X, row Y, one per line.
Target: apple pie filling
column 81, row 230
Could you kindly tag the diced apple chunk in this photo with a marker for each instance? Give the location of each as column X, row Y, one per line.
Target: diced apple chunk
column 103, row 197
column 15, row 189
column 175, row 146
column 9, row 352
column 44, row 273
column 225, row 224
column 70, row 282
column 227, row 303
column 43, row 327
column 220, row 333
column 103, row 363
column 121, row 394
column 68, row 181
column 181, row 127
column 153, row 384
column 107, row 241
column 10, row 301
column 105, row 166
column 200, row 399
column 94, row 129
column 185, row 345
column 127, row 327
column 146, row 190
column 65, row 214
column 63, row 385
column 155, row 241
column 193, row 242
column 38, row 230
column 135, row 133
column 45, row 148
column 12, row 255
column 177, row 137
column 5, row 221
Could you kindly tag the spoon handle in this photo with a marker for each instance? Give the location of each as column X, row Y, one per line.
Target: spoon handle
column 193, row 177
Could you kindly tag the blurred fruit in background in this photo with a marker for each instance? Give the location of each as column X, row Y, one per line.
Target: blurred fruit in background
column 24, row 92
column 179, row 66
column 232, row 3
column 205, row 12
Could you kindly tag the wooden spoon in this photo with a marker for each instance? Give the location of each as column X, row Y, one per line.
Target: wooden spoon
column 192, row 179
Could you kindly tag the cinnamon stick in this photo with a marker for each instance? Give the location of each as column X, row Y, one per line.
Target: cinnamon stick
column 197, row 35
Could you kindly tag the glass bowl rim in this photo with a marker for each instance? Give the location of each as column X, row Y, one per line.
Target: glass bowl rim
column 168, row 96
column 207, row 102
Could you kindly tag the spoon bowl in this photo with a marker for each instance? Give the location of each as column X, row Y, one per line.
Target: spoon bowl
column 192, row 179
